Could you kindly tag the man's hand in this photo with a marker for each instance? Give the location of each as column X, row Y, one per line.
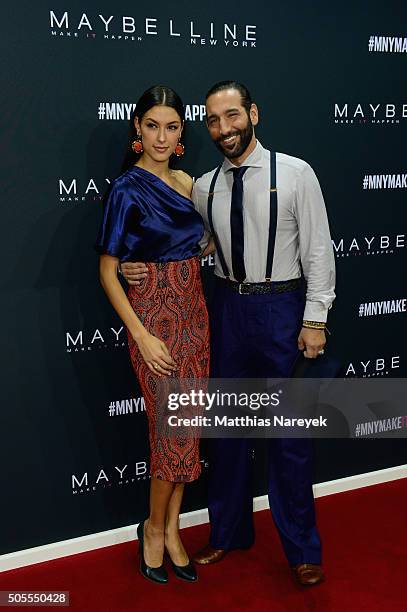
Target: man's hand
column 311, row 341
column 134, row 272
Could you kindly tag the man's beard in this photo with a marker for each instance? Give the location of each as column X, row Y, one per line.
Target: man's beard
column 245, row 138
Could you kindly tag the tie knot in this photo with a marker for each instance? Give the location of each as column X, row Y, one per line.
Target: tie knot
column 239, row 172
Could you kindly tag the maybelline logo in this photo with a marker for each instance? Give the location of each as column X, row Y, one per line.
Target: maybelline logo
column 79, row 342
column 117, row 476
column 134, row 29
column 369, row 245
column 381, row 366
column 75, row 190
column 370, row 113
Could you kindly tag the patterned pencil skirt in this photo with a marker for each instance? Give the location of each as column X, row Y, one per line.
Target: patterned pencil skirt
column 171, row 305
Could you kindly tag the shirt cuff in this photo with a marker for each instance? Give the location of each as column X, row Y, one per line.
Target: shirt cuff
column 315, row 311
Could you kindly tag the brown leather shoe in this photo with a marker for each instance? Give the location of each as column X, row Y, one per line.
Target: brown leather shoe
column 308, row 574
column 208, row 555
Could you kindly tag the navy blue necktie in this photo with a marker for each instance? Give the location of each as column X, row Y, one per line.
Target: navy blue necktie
column 236, row 224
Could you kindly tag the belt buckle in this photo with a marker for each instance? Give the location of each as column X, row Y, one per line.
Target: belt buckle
column 240, row 288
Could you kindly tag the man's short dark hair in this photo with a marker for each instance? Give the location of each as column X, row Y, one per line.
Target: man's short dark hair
column 242, row 89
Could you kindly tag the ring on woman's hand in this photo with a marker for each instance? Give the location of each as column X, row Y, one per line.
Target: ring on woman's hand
column 155, row 365
column 321, row 352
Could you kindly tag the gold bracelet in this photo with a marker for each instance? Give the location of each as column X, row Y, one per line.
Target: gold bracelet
column 314, row 324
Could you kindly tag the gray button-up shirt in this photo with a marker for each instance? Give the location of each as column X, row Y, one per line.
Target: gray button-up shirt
column 302, row 236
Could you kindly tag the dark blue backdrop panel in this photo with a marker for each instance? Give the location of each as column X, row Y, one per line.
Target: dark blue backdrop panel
column 74, row 444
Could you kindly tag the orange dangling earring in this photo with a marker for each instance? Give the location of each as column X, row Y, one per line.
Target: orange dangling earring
column 137, row 145
column 179, row 149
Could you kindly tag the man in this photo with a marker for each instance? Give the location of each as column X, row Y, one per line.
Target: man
column 267, row 216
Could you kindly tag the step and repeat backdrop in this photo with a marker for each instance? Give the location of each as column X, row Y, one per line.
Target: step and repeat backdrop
column 330, row 86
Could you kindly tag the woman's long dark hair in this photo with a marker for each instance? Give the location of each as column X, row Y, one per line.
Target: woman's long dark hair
column 158, row 95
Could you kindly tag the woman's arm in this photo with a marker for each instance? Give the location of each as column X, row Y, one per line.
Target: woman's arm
column 210, row 248
column 153, row 350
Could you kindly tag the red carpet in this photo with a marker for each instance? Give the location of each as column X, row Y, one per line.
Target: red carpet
column 364, row 533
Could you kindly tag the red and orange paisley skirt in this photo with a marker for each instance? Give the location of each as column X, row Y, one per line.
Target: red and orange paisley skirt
column 171, row 305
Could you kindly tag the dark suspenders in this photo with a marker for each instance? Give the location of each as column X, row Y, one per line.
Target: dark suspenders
column 215, row 237
column 272, row 225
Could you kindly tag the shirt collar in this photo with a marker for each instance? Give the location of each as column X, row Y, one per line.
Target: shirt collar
column 256, row 159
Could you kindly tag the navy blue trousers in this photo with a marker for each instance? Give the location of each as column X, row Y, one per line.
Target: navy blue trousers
column 256, row 336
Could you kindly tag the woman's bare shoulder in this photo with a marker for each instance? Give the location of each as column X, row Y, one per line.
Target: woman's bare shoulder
column 184, row 177
column 184, row 180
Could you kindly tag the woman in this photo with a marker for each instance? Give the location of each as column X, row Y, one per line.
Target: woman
column 149, row 216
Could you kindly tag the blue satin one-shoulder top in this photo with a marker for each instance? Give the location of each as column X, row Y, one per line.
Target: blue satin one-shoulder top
column 144, row 219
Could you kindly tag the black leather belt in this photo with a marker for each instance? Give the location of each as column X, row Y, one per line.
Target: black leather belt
column 261, row 288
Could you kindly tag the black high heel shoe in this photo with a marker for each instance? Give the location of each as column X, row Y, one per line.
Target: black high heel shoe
column 185, row 572
column 156, row 574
